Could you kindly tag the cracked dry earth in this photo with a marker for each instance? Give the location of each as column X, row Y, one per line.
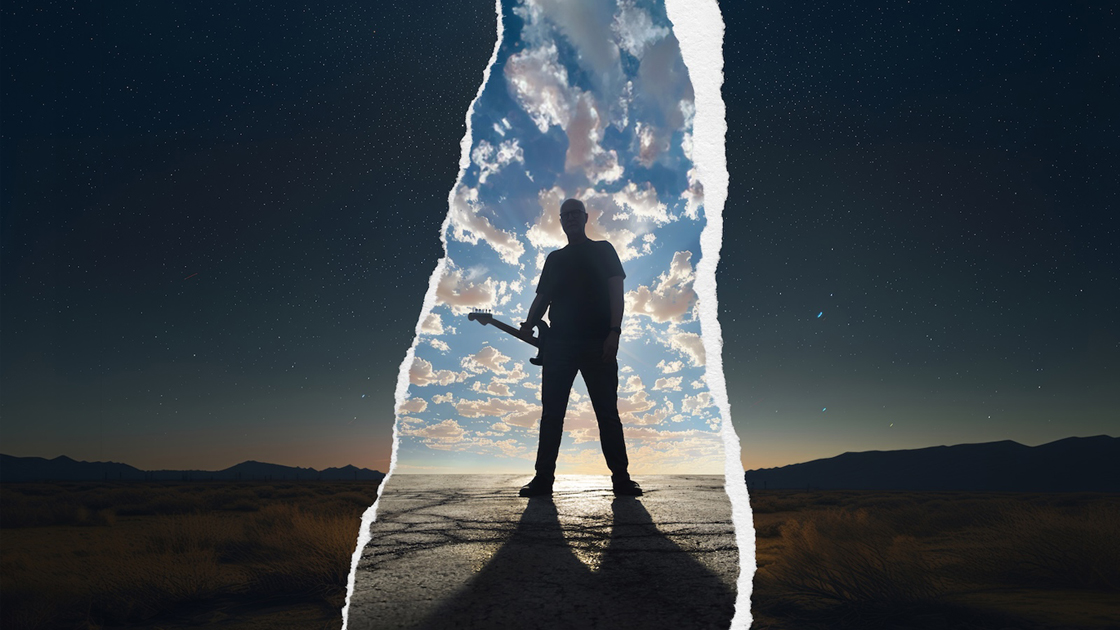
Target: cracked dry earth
column 465, row 551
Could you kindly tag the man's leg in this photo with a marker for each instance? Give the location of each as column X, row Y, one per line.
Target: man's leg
column 602, row 386
column 557, row 376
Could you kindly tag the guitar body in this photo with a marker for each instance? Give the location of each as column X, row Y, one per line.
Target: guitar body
column 542, row 340
column 487, row 319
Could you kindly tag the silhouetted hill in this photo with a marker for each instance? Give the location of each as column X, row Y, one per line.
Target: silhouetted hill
column 1089, row 464
column 63, row 468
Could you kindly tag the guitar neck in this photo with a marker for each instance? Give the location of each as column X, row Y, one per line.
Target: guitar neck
column 513, row 331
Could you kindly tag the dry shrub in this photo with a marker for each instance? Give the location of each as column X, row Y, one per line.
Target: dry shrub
column 17, row 510
column 1045, row 546
column 854, row 565
column 770, row 530
column 302, row 553
column 206, row 543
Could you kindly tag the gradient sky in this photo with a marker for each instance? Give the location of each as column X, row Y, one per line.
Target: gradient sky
column 219, row 222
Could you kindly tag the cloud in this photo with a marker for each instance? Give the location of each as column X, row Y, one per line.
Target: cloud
column 671, row 384
column 488, row 358
column 462, row 294
column 494, row 389
column 663, row 87
column 651, row 142
column 693, row 195
column 641, row 203
column 490, row 160
column 690, row 345
column 671, row 297
column 440, row 345
column 422, row 374
column 669, row 367
column 635, row 30
column 638, row 401
column 468, row 225
column 652, row 418
column 439, row 399
column 446, row 431
column 632, row 384
column 413, row 405
column 539, row 84
column 433, row 325
column 585, row 132
column 693, row 404
column 512, row 411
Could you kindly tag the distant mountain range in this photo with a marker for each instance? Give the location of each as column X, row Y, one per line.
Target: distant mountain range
column 1076, row 464
column 13, row 469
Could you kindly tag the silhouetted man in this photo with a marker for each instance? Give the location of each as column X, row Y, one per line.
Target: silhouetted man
column 581, row 287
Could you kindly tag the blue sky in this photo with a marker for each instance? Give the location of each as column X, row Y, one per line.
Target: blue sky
column 592, row 102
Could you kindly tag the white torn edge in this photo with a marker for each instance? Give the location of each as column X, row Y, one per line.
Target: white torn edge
column 698, row 26
column 370, row 515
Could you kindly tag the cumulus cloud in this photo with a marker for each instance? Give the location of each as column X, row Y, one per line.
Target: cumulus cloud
column 422, row 374
column 462, row 293
column 672, row 295
column 669, row 367
column 656, row 416
column 663, row 86
column 433, row 324
column 539, row 83
column 693, row 404
column 512, row 411
column 488, row 358
column 634, row 29
column 468, row 225
column 693, row 196
column 642, row 203
column 493, row 389
column 585, row 154
column 690, row 345
column 670, row 384
column 440, row 345
column 491, row 159
column 446, row 431
column 439, row 399
column 651, row 143
column 631, row 384
column 413, row 405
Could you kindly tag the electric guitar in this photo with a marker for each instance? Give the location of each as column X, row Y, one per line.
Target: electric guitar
column 537, row 342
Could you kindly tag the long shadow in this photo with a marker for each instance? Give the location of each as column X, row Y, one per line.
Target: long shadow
column 535, row 580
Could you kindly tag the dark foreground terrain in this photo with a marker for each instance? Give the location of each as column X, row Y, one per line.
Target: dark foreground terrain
column 177, row 555
column 837, row 559
column 277, row 555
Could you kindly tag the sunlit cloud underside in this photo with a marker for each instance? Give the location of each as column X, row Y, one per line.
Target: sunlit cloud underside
column 589, row 100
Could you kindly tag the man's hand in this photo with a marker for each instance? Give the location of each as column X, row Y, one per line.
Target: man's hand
column 526, row 331
column 610, row 346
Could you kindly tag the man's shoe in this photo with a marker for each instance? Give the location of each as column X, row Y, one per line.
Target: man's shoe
column 628, row 488
column 538, row 487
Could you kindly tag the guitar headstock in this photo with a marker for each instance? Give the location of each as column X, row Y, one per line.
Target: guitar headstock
column 482, row 317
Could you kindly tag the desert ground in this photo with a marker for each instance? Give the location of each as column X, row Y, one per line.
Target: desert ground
column 835, row 559
column 277, row 555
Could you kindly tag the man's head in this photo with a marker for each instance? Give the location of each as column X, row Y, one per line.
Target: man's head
column 573, row 218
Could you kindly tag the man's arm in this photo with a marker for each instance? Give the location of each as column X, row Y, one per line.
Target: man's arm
column 615, row 295
column 536, row 313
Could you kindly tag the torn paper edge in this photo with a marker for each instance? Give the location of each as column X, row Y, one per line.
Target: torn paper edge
column 698, row 26
column 370, row 515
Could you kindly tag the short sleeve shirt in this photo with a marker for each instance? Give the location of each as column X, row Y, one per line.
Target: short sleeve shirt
column 574, row 281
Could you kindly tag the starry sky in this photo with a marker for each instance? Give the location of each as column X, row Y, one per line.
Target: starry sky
column 219, row 222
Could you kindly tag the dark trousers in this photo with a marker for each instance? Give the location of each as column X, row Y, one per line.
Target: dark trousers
column 561, row 362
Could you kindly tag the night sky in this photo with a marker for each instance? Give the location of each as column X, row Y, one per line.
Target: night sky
column 219, row 222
